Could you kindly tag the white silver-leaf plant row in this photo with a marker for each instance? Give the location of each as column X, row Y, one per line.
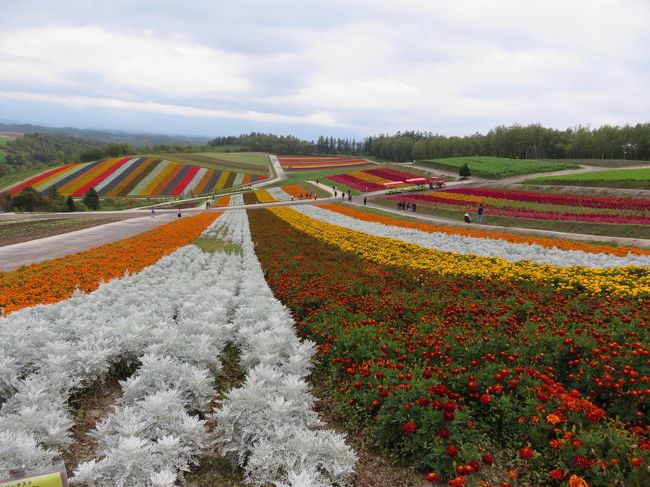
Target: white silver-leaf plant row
column 485, row 247
column 171, row 321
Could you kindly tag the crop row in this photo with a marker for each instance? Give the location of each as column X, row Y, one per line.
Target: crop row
column 492, row 247
column 524, row 209
column 299, row 163
column 172, row 320
column 57, row 279
column 459, row 373
column 371, row 179
column 546, row 243
column 135, row 176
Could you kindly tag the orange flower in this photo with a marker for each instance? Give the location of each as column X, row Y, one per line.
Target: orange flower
column 553, row 419
column 544, row 242
column 576, row 481
column 55, row 280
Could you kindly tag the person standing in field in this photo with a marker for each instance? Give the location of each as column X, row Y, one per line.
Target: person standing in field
column 479, row 212
column 350, row 197
column 364, row 200
column 153, row 213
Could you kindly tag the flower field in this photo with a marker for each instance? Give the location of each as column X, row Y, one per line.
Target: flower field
column 170, row 321
column 472, row 367
column 529, row 204
column 372, row 179
column 135, row 176
column 304, row 164
column 55, row 280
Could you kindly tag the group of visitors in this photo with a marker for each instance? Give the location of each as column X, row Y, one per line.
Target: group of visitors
column 402, row 205
column 479, row 215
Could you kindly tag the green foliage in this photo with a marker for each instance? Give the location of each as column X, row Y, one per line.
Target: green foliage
column 106, row 151
column 464, row 171
column 31, row 200
column 70, row 204
column 91, row 199
column 34, row 149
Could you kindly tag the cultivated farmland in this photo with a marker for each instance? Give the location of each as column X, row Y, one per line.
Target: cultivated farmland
column 618, row 178
column 496, row 167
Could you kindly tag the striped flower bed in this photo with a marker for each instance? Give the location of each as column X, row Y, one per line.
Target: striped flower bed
column 296, row 163
column 136, row 176
column 370, row 180
column 521, row 204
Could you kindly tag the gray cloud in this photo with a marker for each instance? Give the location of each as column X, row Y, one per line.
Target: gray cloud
column 357, row 66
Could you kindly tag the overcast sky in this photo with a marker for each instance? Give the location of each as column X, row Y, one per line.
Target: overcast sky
column 353, row 67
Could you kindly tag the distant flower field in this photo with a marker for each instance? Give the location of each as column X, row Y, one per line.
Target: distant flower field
column 371, row 179
column 135, row 176
column 537, row 205
column 299, row 163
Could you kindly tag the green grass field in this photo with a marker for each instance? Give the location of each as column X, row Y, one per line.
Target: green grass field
column 15, row 177
column 604, row 163
column 496, row 167
column 618, row 178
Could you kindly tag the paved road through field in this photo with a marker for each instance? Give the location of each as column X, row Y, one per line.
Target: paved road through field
column 13, row 256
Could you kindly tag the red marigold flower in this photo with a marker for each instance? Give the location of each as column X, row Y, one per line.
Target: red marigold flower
column 485, row 399
column 526, row 453
column 458, row 481
column 433, row 477
column 487, row 459
column 581, row 461
column 409, row 427
column 556, row 474
column 452, row 451
column 636, row 462
column 444, row 433
column 576, row 443
column 475, row 465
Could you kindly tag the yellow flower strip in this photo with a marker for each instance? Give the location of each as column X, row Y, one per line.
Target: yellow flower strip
column 630, row 281
column 263, row 196
column 548, row 243
column 369, row 178
column 55, row 280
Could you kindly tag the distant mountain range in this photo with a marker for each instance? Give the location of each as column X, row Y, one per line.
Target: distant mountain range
column 107, row 136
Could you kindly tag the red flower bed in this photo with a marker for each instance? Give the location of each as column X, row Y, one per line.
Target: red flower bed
column 558, row 199
column 430, row 199
column 447, row 371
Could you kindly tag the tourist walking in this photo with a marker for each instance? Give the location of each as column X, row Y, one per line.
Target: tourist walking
column 479, row 212
column 179, row 213
column 364, row 201
column 153, row 213
column 350, row 197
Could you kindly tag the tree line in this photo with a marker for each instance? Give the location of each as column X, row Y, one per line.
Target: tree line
column 517, row 141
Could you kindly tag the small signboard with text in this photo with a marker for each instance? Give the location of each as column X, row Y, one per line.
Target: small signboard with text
column 51, row 477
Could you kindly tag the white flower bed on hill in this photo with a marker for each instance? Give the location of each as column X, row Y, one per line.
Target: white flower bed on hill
column 236, row 199
column 513, row 252
column 279, row 194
